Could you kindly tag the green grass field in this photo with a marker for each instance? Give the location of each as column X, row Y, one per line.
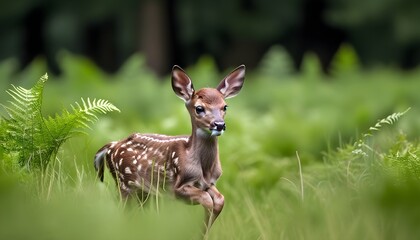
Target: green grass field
column 348, row 186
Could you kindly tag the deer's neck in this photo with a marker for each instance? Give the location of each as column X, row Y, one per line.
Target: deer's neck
column 203, row 149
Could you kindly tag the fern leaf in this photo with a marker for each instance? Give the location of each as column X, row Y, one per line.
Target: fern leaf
column 69, row 123
column 24, row 122
column 390, row 120
column 35, row 139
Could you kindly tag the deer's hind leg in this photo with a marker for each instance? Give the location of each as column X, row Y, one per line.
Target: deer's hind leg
column 138, row 189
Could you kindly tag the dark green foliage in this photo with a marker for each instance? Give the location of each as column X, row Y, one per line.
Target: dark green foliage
column 33, row 140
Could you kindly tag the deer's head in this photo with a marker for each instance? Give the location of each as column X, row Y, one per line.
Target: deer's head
column 207, row 106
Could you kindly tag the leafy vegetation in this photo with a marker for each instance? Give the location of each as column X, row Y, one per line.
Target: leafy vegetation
column 33, row 139
column 300, row 159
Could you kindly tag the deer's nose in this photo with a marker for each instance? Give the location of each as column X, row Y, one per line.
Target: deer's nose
column 220, row 126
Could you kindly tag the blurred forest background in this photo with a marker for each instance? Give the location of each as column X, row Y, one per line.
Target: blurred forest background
column 321, row 143
column 232, row 32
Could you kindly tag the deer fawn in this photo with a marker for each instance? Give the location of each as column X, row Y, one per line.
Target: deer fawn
column 187, row 166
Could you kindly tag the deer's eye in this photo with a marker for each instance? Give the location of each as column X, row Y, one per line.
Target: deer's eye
column 225, row 108
column 199, row 109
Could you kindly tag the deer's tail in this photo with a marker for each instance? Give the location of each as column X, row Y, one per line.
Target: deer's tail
column 99, row 161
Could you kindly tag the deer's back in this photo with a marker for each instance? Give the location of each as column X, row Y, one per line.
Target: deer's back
column 145, row 161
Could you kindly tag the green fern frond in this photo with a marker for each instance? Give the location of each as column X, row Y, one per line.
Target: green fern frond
column 390, row 120
column 82, row 114
column 24, row 123
column 35, row 140
column 99, row 106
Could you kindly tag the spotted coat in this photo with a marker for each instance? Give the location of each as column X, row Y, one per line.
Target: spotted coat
column 143, row 163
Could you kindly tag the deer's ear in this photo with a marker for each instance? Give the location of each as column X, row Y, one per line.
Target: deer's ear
column 232, row 83
column 181, row 84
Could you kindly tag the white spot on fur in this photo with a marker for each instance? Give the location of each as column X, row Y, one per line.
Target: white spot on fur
column 115, row 153
column 112, row 160
column 134, row 161
column 120, row 162
column 156, row 152
column 113, row 144
column 133, row 183
column 127, row 170
column 139, row 167
column 123, row 187
column 176, row 161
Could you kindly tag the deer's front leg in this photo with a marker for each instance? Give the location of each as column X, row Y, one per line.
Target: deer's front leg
column 211, row 199
column 195, row 195
column 218, row 203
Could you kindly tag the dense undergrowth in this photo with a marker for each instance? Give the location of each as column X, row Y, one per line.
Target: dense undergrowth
column 351, row 185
